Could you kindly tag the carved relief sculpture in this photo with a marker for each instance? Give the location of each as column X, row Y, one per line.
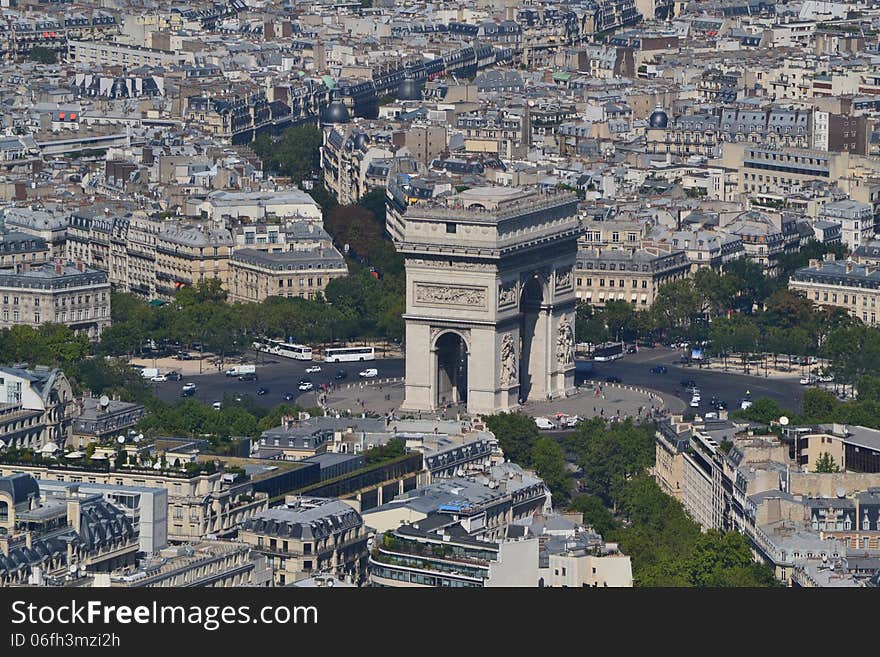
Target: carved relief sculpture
column 507, row 294
column 509, row 374
column 563, row 278
column 452, row 296
column 565, row 344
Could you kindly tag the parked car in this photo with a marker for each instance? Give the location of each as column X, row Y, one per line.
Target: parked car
column 545, row 423
column 312, row 369
column 183, row 355
column 174, row 376
column 808, row 380
column 659, row 369
column 159, row 378
column 826, row 378
column 341, row 374
column 369, row 373
column 262, row 391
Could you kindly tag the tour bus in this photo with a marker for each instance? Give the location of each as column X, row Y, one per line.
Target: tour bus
column 343, row 354
column 285, row 349
column 608, row 351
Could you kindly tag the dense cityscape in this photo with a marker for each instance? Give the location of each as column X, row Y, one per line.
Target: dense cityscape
column 505, row 293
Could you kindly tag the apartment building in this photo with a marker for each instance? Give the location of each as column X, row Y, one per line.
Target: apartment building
column 60, row 292
column 36, row 408
column 145, row 507
column 307, row 536
column 856, row 221
column 48, row 226
column 255, row 275
column 101, row 420
column 347, row 156
column 209, row 563
column 47, row 536
column 17, row 247
column 849, row 285
column 199, row 503
column 633, row 275
column 105, row 54
column 254, row 207
column 540, row 551
column 186, row 255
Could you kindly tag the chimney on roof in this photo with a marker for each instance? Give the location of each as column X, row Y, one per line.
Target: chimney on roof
column 814, row 263
column 849, row 266
column 59, row 266
column 80, row 265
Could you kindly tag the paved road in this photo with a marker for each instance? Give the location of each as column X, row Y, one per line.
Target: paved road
column 635, row 369
column 279, row 376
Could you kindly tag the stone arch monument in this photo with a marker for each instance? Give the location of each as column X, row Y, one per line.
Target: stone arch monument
column 490, row 298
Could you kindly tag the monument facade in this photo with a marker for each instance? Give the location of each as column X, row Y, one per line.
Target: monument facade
column 490, row 299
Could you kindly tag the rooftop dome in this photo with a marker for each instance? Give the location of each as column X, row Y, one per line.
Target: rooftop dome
column 361, row 139
column 409, row 89
column 658, row 119
column 336, row 112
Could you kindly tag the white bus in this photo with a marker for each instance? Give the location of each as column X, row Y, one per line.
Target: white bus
column 344, row 354
column 285, row 349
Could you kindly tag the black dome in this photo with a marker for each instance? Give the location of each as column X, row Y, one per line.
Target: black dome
column 336, row 112
column 361, row 139
column 409, row 89
column 658, row 119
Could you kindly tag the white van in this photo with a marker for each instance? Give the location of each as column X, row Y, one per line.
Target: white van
column 545, row 423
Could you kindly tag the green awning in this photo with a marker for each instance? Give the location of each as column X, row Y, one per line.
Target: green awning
column 157, row 302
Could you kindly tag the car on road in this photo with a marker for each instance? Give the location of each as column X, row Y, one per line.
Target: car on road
column 188, row 390
column 312, row 369
column 695, row 402
column 288, row 396
column 809, row 380
column 745, row 403
column 174, row 376
column 369, row 373
column 305, row 386
column 341, row 374
column 217, row 405
column 262, row 391
column 659, row 369
column 718, row 404
column 545, row 423
column 689, row 384
column 613, row 379
column 159, row 378
column 631, row 349
column 249, row 376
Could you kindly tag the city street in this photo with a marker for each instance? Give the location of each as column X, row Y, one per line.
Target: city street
column 635, row 369
column 280, row 376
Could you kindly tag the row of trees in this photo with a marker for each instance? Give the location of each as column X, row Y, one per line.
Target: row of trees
column 820, row 407
column 623, row 503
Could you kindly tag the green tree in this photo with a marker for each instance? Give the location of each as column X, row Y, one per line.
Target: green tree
column 43, row 55
column 296, row 153
column 517, row 433
column 826, row 463
column 548, row 461
column 595, row 514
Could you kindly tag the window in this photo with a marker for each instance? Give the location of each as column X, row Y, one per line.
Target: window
column 451, row 227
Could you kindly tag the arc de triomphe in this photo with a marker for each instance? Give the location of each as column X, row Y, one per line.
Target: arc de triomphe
column 490, row 298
